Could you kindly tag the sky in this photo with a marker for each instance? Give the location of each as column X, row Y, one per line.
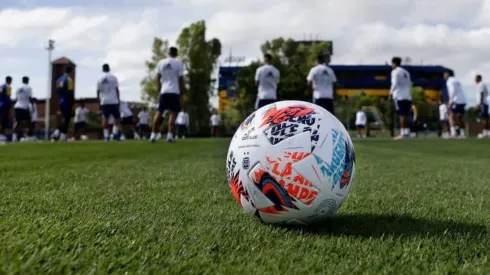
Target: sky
column 452, row 33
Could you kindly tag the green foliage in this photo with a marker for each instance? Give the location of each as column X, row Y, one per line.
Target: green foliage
column 159, row 51
column 199, row 57
column 232, row 116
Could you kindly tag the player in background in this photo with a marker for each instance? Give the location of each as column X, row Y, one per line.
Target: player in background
column 215, row 124
column 443, row 119
column 182, row 122
column 80, row 122
column 22, row 112
column 457, row 104
column 321, row 80
column 266, row 78
column 127, row 121
column 34, row 117
column 170, row 83
column 482, row 99
column 5, row 109
column 401, row 94
column 144, row 123
column 66, row 97
column 108, row 94
column 361, row 121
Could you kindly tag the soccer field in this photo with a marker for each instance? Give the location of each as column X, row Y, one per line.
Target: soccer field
column 418, row 206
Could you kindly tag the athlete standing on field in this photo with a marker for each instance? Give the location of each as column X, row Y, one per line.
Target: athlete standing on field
column 66, row 97
column 443, row 119
column 321, row 79
column 108, row 93
column 22, row 112
column 457, row 104
column 482, row 97
column 170, row 82
column 5, row 108
column 266, row 79
column 401, row 93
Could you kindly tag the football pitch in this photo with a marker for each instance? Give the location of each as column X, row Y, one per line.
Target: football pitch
column 418, row 206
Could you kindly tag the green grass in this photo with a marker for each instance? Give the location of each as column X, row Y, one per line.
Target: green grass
column 420, row 206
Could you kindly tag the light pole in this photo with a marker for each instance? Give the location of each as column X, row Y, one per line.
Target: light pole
column 50, row 49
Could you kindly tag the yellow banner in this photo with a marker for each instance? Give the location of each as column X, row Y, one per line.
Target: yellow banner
column 368, row 92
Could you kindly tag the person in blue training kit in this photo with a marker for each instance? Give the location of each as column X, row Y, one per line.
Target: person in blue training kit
column 5, row 108
column 66, row 98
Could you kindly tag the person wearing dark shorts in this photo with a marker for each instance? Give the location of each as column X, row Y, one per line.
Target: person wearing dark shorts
column 321, row 80
column 5, row 109
column 108, row 92
column 482, row 99
column 80, row 125
column 65, row 90
column 171, row 85
column 401, row 93
column 182, row 123
column 457, row 104
column 361, row 121
column 266, row 78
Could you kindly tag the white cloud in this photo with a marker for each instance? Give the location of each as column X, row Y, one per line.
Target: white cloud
column 453, row 33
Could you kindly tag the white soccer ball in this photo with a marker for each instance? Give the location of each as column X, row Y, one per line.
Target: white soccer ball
column 291, row 162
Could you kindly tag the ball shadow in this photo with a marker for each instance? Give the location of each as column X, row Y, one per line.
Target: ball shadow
column 377, row 226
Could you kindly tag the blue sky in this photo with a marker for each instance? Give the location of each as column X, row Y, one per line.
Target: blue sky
column 120, row 32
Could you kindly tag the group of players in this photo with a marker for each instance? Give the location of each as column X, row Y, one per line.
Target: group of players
column 170, row 82
column 321, row 79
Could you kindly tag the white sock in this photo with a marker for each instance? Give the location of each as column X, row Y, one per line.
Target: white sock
column 115, row 130
column 453, row 131
column 485, row 133
column 63, row 137
column 170, row 135
column 461, row 132
column 3, row 138
column 14, row 137
column 153, row 135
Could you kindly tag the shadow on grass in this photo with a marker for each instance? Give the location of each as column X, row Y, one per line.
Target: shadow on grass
column 377, row 226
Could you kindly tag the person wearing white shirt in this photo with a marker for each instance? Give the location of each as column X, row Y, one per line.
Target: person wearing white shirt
column 170, row 77
column 266, row 79
column 80, row 122
column 127, row 121
column 457, row 104
column 182, row 122
column 361, row 121
column 21, row 107
column 443, row 120
column 401, row 93
column 144, row 123
column 108, row 93
column 482, row 99
column 215, row 124
column 321, row 80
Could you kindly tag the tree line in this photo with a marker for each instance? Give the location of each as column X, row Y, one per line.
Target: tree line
column 292, row 59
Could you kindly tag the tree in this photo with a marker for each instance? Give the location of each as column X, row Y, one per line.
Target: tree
column 199, row 57
column 148, row 86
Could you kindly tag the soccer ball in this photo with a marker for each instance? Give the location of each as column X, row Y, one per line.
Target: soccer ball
column 291, row 162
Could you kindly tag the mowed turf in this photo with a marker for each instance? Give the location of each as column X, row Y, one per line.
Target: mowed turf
column 420, row 206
